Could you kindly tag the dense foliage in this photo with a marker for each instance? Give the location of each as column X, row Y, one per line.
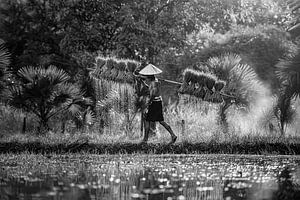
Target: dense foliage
column 172, row 34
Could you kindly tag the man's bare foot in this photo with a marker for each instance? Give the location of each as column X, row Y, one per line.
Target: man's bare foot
column 174, row 138
column 143, row 142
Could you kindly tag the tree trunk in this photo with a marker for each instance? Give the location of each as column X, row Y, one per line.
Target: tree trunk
column 43, row 126
column 222, row 116
column 24, row 125
column 142, row 124
column 63, row 126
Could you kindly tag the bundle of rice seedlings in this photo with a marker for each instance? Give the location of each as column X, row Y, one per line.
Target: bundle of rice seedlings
column 121, row 65
column 200, row 93
column 106, row 70
column 183, row 88
column 116, row 70
column 195, row 77
column 110, row 64
column 215, row 98
column 132, row 65
column 219, row 85
column 201, row 78
column 120, row 76
column 190, row 89
column 113, row 74
column 188, row 75
column 105, row 74
column 210, row 81
column 208, row 96
column 99, row 67
column 96, row 73
column 100, row 62
column 128, row 77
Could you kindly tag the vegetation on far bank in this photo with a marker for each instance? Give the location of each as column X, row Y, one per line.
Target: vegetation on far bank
column 241, row 93
column 256, row 146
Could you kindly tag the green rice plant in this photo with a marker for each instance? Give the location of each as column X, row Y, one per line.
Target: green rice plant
column 100, row 67
column 201, row 78
column 210, row 80
column 190, row 89
column 100, row 62
column 115, row 70
column 219, row 85
column 187, row 75
column 132, row 65
column 200, row 92
column 122, row 65
column 112, row 96
column 192, row 77
column 129, row 77
column 183, row 88
column 111, row 63
column 121, row 76
column 113, row 74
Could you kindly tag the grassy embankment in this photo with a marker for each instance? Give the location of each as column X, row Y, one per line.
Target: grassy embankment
column 199, row 134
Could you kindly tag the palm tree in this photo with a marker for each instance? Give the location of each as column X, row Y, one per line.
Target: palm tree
column 4, row 63
column 242, row 84
column 288, row 71
column 46, row 92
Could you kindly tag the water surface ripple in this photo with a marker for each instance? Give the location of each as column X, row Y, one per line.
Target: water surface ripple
column 180, row 177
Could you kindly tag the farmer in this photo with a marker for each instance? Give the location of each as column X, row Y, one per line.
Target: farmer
column 155, row 112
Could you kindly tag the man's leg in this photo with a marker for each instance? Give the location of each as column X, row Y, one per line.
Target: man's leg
column 147, row 130
column 169, row 129
column 152, row 131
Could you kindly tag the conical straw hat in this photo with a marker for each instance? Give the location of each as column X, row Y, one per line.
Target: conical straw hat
column 150, row 70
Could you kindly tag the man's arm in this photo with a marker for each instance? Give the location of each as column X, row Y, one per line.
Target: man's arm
column 153, row 91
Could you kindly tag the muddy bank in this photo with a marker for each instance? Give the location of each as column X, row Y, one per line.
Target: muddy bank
column 130, row 148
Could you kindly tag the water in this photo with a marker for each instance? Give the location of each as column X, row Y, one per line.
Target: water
column 85, row 177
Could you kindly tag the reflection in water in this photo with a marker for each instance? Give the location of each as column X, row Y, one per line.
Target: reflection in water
column 75, row 177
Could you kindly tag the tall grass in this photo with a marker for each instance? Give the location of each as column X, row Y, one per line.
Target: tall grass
column 193, row 122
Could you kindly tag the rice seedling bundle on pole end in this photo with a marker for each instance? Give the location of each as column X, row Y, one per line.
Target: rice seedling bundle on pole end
column 223, row 80
column 115, row 70
column 200, row 84
column 115, row 88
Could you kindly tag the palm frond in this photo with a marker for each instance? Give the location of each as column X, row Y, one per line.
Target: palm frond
column 222, row 65
column 89, row 117
column 268, row 118
column 4, row 56
column 111, row 99
column 288, row 71
column 244, row 84
column 51, row 73
column 74, row 109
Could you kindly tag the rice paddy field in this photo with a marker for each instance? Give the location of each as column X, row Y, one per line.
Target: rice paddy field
column 140, row 176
